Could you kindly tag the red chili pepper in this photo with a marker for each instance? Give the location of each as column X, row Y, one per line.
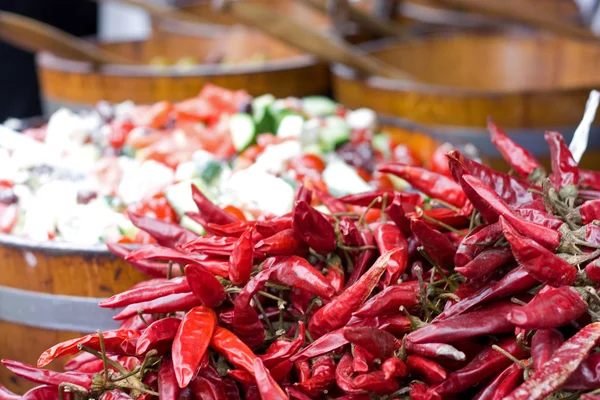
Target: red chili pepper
column 432, row 184
column 314, row 228
column 115, row 395
column 210, row 212
column 388, row 237
column 486, row 364
column 284, row 349
column 592, row 271
column 390, row 299
column 233, row 349
column 343, row 375
column 168, row 388
column 362, row 360
column 272, row 226
column 396, row 213
column 418, row 391
column 504, row 383
column 587, row 375
column 115, row 342
column 140, row 294
column 233, row 229
column 394, row 367
column 335, row 277
column 590, row 211
column 337, row 313
column 438, row 160
column 166, row 233
column 511, row 190
column 295, row 394
column 434, row 350
column 268, row 388
column 476, row 241
column 44, row 393
column 566, row 303
column 204, row 285
column 547, row 237
column 6, row 394
column 486, row 321
column 241, row 259
column 158, row 336
column 539, row 217
column 375, row 198
column 378, row 342
column 519, row 159
column 486, row 262
column 47, row 377
column 565, row 172
column 589, row 179
column 78, row 361
column 302, row 369
column 208, row 385
column 333, row 204
column 211, row 245
column 437, row 246
column 564, row 362
column 323, row 377
column 429, row 370
column 540, row 263
column 284, row 243
column 375, row 382
column 154, row 269
column 191, row 341
column 162, row 305
column 543, row 344
column 363, row 259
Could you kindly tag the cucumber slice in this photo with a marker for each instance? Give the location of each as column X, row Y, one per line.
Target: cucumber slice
column 335, row 132
column 319, row 106
column 179, row 196
column 243, row 131
column 188, row 223
column 291, row 126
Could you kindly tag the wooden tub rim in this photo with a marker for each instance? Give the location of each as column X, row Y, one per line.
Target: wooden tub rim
column 53, row 247
column 390, row 84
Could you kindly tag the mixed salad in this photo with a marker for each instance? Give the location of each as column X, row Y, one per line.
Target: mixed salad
column 77, row 177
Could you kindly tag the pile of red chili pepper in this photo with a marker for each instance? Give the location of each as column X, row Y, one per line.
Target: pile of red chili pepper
column 484, row 288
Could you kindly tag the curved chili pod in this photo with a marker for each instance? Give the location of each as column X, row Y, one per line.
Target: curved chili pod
column 565, row 172
column 168, row 389
column 438, row 247
column 191, row 341
column 375, row 382
column 503, row 383
column 233, row 349
column 204, row 285
column 166, row 233
column 434, row 350
column 154, row 269
column 162, row 305
column 394, row 367
column 388, row 237
column 44, row 393
column 268, row 388
column 241, row 259
column 378, row 342
column 314, row 229
column 519, row 159
column 476, row 241
column 47, row 377
column 158, row 336
column 141, row 294
column 322, row 378
column 390, row 299
column 486, row 262
column 208, row 385
column 210, row 212
column 6, row 394
column 284, row 243
column 543, row 344
column 429, row 370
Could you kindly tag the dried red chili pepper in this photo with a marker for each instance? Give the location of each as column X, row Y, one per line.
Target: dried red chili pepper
column 540, row 263
column 539, row 217
column 547, row 237
column 302, row 369
column 115, row 342
column 162, row 305
column 434, row 350
column 322, row 378
column 47, row 377
column 362, row 360
column 272, row 226
column 592, row 271
column 476, row 241
column 375, row 382
column 589, row 179
column 504, row 383
column 233, row 229
column 141, row 294
column 233, row 349
column 44, row 393
column 590, row 211
column 281, row 350
column 390, row 299
column 168, row 388
column 343, row 374
column 191, row 341
column 543, row 344
column 566, row 304
column 564, row 362
column 284, row 243
column 485, row 321
column 314, row 228
column 519, row 159
column 486, row 262
column 587, row 375
column 429, row 370
column 389, row 237
column 154, row 269
column 6, row 394
column 337, row 313
column 396, row 213
column 211, row 245
column 295, row 394
column 268, row 388
column 204, row 285
column 394, row 367
column 166, row 233
column 375, row 198
column 158, row 336
column 296, row 272
column 208, row 385
column 565, row 172
column 377, row 342
column 241, row 259
column 363, row 259
column 333, row 204
column 486, row 364
column 210, row 212
column 438, row 247
column 115, row 395
column 335, row 277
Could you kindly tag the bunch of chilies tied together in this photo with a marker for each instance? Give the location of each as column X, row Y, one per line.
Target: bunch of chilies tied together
column 484, row 289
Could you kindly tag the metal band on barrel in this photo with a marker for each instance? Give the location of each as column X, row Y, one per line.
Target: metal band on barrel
column 55, row 312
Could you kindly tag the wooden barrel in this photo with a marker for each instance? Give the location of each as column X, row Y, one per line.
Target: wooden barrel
column 49, row 292
column 283, row 72
column 527, row 83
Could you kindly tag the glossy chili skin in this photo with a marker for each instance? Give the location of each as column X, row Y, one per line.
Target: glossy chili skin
column 268, row 388
column 389, row 237
column 592, row 271
column 322, row 378
column 191, row 342
column 540, row 263
column 486, row 262
column 333, row 204
column 314, row 229
column 209, row 212
column 564, row 362
column 476, row 241
column 44, row 393
column 166, row 233
column 437, row 246
column 429, row 370
column 272, row 226
column 362, row 360
column 284, row 243
column 121, row 342
column 587, row 375
column 590, row 211
column 233, row 349
column 566, row 303
column 565, row 171
column 377, row 342
column 241, row 259
column 47, row 377
column 158, row 336
column 363, row 259
column 375, row 198
column 394, row 367
column 211, row 245
column 282, row 350
column 153, row 269
column 519, row 158
column 115, row 395
column 397, row 214
column 486, row 364
column 204, row 285
column 375, row 382
column 141, row 294
column 168, row 388
column 434, row 350
column 432, row 184
column 589, row 179
column 338, row 312
column 504, row 383
column 486, row 321
column 543, row 344
column 390, row 299
column 208, row 385
column 162, row 305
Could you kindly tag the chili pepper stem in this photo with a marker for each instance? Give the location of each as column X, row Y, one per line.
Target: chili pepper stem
column 383, row 207
column 70, row 387
column 361, row 220
column 103, row 353
column 424, row 307
column 517, row 301
column 141, row 316
column 521, row 342
column 142, row 390
column 357, row 248
column 445, row 204
column 170, row 270
column 149, row 354
column 442, row 224
column 265, row 316
column 421, row 250
column 272, row 297
column 113, row 363
column 415, row 322
column 510, row 357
